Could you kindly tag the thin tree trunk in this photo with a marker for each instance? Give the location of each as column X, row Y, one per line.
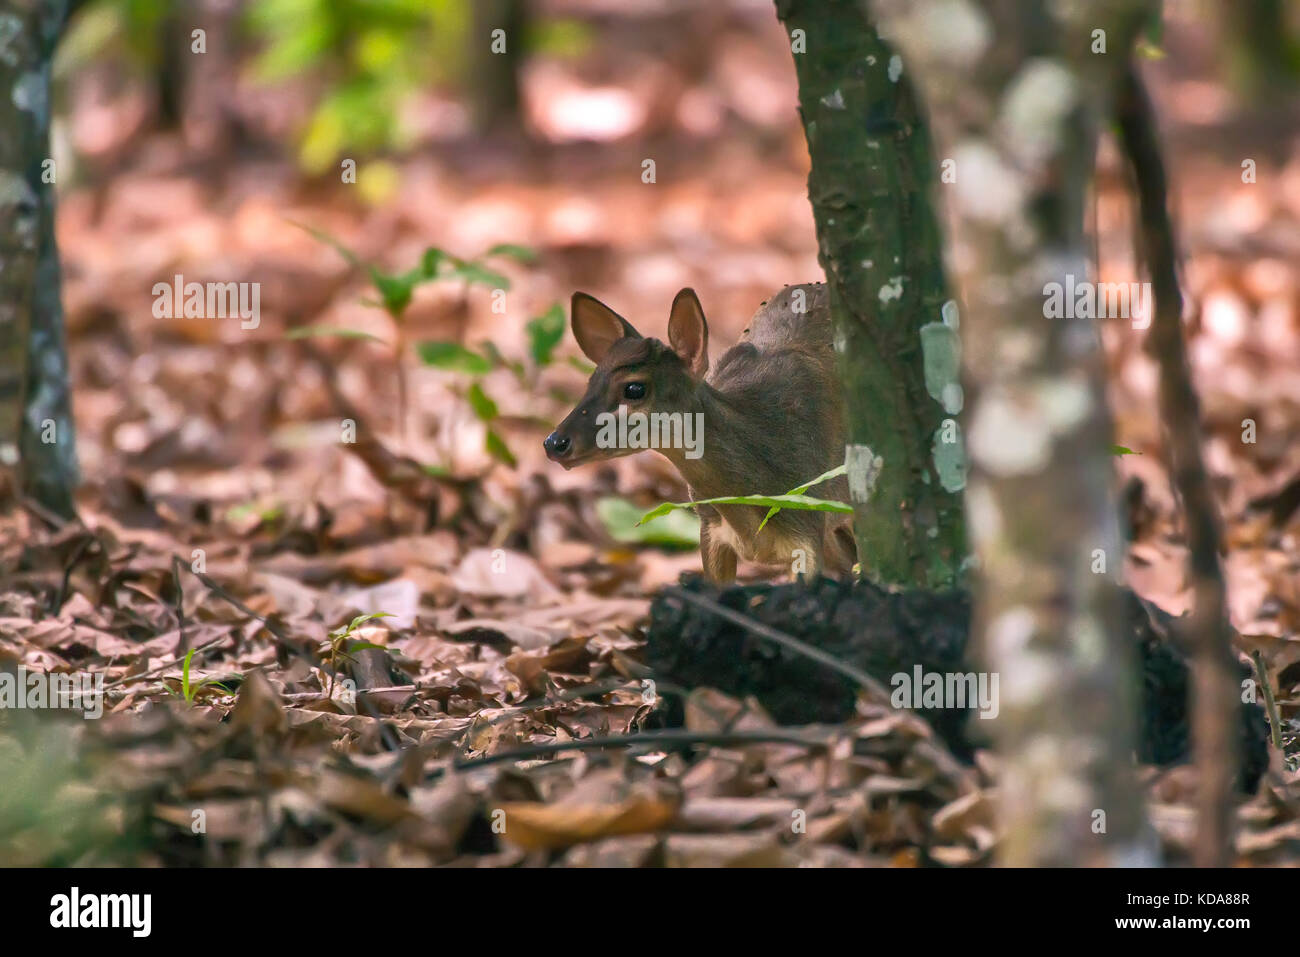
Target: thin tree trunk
column 1216, row 704
column 1014, row 92
column 494, row 83
column 1259, row 48
column 896, row 331
column 36, row 434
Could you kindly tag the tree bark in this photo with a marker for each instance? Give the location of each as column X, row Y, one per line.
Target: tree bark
column 1214, row 726
column 1258, row 49
column 896, row 329
column 36, row 433
column 494, row 83
column 1016, row 93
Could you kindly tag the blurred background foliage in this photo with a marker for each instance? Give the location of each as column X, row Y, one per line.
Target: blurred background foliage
column 368, row 57
column 363, row 62
column 396, row 133
column 360, row 67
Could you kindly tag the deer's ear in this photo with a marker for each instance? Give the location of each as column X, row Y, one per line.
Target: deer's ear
column 688, row 333
column 597, row 327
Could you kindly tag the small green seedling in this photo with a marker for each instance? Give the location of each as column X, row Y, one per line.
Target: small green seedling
column 190, row 689
column 332, row 651
column 544, row 334
column 395, row 291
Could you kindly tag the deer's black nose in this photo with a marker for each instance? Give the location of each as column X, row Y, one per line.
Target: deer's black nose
column 557, row 445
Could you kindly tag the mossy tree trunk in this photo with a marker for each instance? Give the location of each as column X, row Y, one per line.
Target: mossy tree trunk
column 896, row 328
column 36, row 435
column 1016, row 93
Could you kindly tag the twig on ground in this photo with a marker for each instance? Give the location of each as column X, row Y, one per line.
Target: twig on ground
column 72, row 563
column 666, row 738
column 180, row 603
column 52, row 519
column 927, row 748
column 1274, row 719
column 166, row 664
column 582, row 691
column 864, row 680
column 321, row 696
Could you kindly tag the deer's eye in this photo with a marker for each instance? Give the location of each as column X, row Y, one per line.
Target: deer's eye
column 634, row 390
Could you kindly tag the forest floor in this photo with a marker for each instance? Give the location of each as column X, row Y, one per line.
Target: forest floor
column 516, row 612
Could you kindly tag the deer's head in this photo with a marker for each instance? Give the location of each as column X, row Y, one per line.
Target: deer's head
column 642, row 374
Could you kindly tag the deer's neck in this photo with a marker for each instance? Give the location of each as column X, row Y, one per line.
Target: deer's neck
column 729, row 448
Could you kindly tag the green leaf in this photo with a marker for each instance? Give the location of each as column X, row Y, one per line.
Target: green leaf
column 1155, row 25
column 481, row 403
column 293, row 52
column 186, row 691
column 545, row 333
column 582, row 365
column 566, row 37
column 1148, row 50
column 622, row 519
column 360, row 620
column 1122, row 450
column 824, row 477
column 798, row 502
column 395, row 291
column 522, row 254
column 357, row 622
column 321, row 236
column 473, row 273
column 315, row 332
column 452, row 356
column 432, row 261
column 501, row 362
column 497, row 448
column 833, row 473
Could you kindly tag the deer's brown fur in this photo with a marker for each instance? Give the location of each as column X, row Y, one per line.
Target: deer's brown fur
column 771, row 412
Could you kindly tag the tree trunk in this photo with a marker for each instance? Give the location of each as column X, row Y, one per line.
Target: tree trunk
column 896, row 329
column 1016, row 94
column 494, row 82
column 36, row 434
column 1215, row 726
column 1259, row 49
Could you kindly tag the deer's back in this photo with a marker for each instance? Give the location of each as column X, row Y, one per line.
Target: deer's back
column 778, row 325
column 779, row 340
column 781, row 384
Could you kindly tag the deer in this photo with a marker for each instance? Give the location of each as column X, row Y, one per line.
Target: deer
column 770, row 417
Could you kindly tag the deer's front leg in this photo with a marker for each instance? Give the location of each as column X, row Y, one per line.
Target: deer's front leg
column 808, row 561
column 719, row 558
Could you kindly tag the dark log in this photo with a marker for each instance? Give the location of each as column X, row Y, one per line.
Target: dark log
column 889, row 633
